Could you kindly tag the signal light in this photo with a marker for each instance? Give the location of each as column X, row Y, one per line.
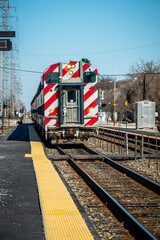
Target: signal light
column 5, row 45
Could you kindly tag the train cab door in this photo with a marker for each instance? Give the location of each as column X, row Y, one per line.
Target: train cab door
column 71, row 108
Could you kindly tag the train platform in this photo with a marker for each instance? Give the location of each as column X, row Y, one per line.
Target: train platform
column 20, row 215
column 35, row 203
column 131, row 128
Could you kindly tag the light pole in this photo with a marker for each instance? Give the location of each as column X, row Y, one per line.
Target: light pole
column 114, row 102
column 101, row 92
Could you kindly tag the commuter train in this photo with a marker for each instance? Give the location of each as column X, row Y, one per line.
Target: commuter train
column 65, row 104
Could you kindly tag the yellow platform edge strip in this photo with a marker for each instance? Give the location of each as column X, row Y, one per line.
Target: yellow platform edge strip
column 61, row 218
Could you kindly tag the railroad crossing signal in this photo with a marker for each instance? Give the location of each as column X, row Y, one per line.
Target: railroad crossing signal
column 101, row 94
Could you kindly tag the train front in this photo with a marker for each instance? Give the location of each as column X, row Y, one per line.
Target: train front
column 71, row 110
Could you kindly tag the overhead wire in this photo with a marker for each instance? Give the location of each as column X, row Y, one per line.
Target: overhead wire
column 100, row 52
column 21, row 70
column 101, row 75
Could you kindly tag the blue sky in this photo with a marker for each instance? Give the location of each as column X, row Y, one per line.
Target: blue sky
column 103, row 31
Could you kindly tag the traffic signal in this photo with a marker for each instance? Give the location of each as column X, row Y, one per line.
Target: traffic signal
column 5, row 45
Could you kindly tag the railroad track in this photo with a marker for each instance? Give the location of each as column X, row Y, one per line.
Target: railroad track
column 134, row 202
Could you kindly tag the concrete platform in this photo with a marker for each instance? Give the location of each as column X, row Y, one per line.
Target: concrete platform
column 61, row 217
column 20, row 214
column 35, row 203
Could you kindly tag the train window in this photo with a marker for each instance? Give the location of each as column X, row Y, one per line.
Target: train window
column 52, row 78
column 71, row 96
column 89, row 77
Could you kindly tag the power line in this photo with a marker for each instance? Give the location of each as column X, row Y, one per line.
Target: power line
column 21, row 70
column 127, row 74
column 100, row 52
column 101, row 75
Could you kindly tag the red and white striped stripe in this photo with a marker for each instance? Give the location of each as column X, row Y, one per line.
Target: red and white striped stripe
column 66, row 71
column 51, row 95
column 90, row 98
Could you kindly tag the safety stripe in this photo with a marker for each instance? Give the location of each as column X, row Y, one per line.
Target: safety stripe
column 76, row 74
column 51, row 108
column 92, row 121
column 57, row 123
column 92, row 105
column 85, row 67
column 91, row 99
column 50, row 93
column 96, row 72
column 47, row 120
column 91, row 91
column 86, row 87
column 51, row 123
column 52, row 99
column 56, row 110
column 48, row 88
column 65, row 70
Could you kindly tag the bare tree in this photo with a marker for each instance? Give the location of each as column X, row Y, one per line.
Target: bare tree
column 143, row 82
column 144, row 79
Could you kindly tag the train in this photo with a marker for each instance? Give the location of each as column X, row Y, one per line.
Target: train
column 65, row 104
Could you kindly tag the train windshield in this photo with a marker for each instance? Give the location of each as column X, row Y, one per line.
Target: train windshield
column 71, row 96
column 52, row 78
column 89, row 77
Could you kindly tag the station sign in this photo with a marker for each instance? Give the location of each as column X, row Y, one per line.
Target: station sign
column 5, row 45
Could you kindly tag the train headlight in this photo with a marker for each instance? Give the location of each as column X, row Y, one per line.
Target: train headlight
column 69, row 66
column 91, row 110
column 71, row 72
column 73, row 65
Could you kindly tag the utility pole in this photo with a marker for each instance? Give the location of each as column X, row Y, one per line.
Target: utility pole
column 144, row 86
column 114, row 102
column 4, row 56
column 8, row 85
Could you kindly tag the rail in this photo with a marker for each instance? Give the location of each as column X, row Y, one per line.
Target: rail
column 132, row 224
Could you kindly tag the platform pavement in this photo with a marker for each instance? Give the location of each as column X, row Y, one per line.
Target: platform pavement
column 20, row 215
column 63, row 217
